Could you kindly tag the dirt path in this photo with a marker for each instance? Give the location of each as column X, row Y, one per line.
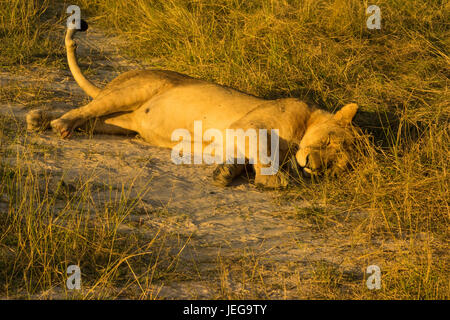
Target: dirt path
column 223, row 225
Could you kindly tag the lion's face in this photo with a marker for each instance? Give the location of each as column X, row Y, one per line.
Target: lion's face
column 326, row 146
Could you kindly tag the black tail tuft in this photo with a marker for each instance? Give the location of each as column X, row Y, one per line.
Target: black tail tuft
column 83, row 26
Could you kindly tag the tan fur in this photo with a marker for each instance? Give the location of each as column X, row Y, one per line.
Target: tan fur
column 154, row 103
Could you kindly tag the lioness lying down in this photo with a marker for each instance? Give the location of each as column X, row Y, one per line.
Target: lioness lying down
column 154, row 103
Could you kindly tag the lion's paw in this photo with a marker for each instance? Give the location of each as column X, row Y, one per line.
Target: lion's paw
column 224, row 174
column 62, row 127
column 38, row 120
column 276, row 181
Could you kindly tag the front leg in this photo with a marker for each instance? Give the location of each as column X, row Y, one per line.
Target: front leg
column 274, row 181
column 270, row 175
column 224, row 174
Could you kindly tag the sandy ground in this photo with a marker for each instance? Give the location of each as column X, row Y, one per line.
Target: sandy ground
column 222, row 223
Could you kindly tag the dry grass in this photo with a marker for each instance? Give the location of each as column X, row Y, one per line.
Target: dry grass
column 48, row 224
column 320, row 51
column 21, row 40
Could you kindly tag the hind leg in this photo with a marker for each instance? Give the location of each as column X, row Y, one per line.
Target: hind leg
column 107, row 103
column 107, row 125
column 39, row 120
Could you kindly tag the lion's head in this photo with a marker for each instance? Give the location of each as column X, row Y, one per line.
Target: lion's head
column 327, row 143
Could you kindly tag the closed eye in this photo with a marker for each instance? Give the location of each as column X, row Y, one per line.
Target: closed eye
column 327, row 141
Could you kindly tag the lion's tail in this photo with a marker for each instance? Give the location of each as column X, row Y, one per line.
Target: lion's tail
column 84, row 83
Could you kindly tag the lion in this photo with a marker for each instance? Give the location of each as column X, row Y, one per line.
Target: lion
column 154, row 103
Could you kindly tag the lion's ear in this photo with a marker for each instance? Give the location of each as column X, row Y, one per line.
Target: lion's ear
column 346, row 114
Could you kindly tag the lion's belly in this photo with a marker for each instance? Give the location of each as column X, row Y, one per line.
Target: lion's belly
column 183, row 107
